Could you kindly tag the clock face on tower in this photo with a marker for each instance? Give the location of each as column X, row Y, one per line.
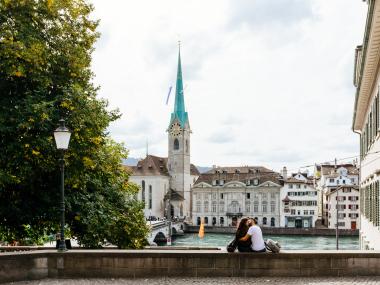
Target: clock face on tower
column 175, row 129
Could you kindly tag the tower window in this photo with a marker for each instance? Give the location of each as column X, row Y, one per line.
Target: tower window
column 187, row 146
column 176, row 144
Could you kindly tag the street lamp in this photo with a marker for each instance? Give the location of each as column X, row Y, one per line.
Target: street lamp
column 62, row 139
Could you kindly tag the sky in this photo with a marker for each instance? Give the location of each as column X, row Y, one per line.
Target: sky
column 267, row 82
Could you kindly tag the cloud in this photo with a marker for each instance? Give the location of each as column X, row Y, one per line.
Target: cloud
column 269, row 81
column 261, row 14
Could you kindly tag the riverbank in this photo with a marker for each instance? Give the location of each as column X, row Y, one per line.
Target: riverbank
column 277, row 231
column 288, row 242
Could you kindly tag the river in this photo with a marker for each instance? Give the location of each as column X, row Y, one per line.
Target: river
column 293, row 242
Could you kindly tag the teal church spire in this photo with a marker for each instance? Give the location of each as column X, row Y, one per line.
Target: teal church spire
column 179, row 104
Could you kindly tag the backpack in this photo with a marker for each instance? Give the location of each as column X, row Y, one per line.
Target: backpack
column 232, row 245
column 272, row 246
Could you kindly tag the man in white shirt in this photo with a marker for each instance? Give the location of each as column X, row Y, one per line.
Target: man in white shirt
column 256, row 236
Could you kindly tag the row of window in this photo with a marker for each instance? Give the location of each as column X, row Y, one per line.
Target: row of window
column 299, row 212
column 297, row 186
column 301, row 203
column 332, row 180
column 149, row 194
column 371, row 128
column 235, row 207
column 370, row 203
column 344, row 215
column 306, row 193
column 198, row 196
column 221, row 221
column 344, row 207
column 221, row 182
column 350, row 198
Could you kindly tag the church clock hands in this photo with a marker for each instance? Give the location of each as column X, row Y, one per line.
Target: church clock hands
column 175, row 130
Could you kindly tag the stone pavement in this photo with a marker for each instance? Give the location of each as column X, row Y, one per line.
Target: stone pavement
column 208, row 281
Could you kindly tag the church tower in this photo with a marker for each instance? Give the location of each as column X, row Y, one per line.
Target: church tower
column 179, row 149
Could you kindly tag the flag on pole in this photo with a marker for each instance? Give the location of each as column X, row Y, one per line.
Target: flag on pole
column 167, row 99
column 201, row 233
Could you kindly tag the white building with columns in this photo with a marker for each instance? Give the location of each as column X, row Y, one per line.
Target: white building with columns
column 366, row 123
column 223, row 195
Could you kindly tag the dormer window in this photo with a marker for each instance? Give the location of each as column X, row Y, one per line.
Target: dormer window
column 256, row 181
column 248, row 182
column 237, row 171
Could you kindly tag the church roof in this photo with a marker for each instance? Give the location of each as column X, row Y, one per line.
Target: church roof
column 179, row 105
column 242, row 174
column 153, row 165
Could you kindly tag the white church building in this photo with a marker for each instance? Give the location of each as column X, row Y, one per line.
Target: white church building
column 168, row 180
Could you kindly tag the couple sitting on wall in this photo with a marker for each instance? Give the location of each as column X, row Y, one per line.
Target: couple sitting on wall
column 249, row 237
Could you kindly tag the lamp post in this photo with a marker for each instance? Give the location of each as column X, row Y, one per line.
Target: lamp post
column 62, row 139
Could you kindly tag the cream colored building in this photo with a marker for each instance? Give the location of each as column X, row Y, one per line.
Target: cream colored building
column 366, row 124
column 223, row 195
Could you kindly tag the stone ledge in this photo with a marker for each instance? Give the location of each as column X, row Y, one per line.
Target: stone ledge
column 39, row 264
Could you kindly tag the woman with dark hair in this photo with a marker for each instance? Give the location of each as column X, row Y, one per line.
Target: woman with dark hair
column 243, row 246
column 255, row 235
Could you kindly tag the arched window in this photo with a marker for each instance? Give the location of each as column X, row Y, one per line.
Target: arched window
column 221, row 221
column 176, row 144
column 213, row 221
column 272, row 222
column 150, row 197
column 206, row 220
column 187, row 146
column 143, row 191
column 198, row 221
column 264, row 221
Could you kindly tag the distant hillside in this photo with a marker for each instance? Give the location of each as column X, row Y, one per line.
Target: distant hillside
column 203, row 169
column 131, row 161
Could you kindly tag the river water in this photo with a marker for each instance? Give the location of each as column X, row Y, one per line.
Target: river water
column 287, row 242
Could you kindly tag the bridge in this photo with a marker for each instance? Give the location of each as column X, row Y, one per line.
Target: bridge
column 159, row 230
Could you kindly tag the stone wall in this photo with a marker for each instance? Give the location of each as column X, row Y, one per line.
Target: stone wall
column 193, row 263
column 278, row 231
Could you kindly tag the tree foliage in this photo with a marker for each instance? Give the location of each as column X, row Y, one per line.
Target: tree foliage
column 45, row 57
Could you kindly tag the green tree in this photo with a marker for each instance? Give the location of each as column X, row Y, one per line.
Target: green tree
column 45, row 57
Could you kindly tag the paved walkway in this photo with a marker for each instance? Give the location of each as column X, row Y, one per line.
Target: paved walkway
column 211, row 281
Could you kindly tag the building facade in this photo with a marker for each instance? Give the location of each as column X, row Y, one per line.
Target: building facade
column 333, row 176
column 165, row 182
column 366, row 124
column 342, row 205
column 223, row 195
column 299, row 201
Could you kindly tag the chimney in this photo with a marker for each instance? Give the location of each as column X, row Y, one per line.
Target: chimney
column 284, row 173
